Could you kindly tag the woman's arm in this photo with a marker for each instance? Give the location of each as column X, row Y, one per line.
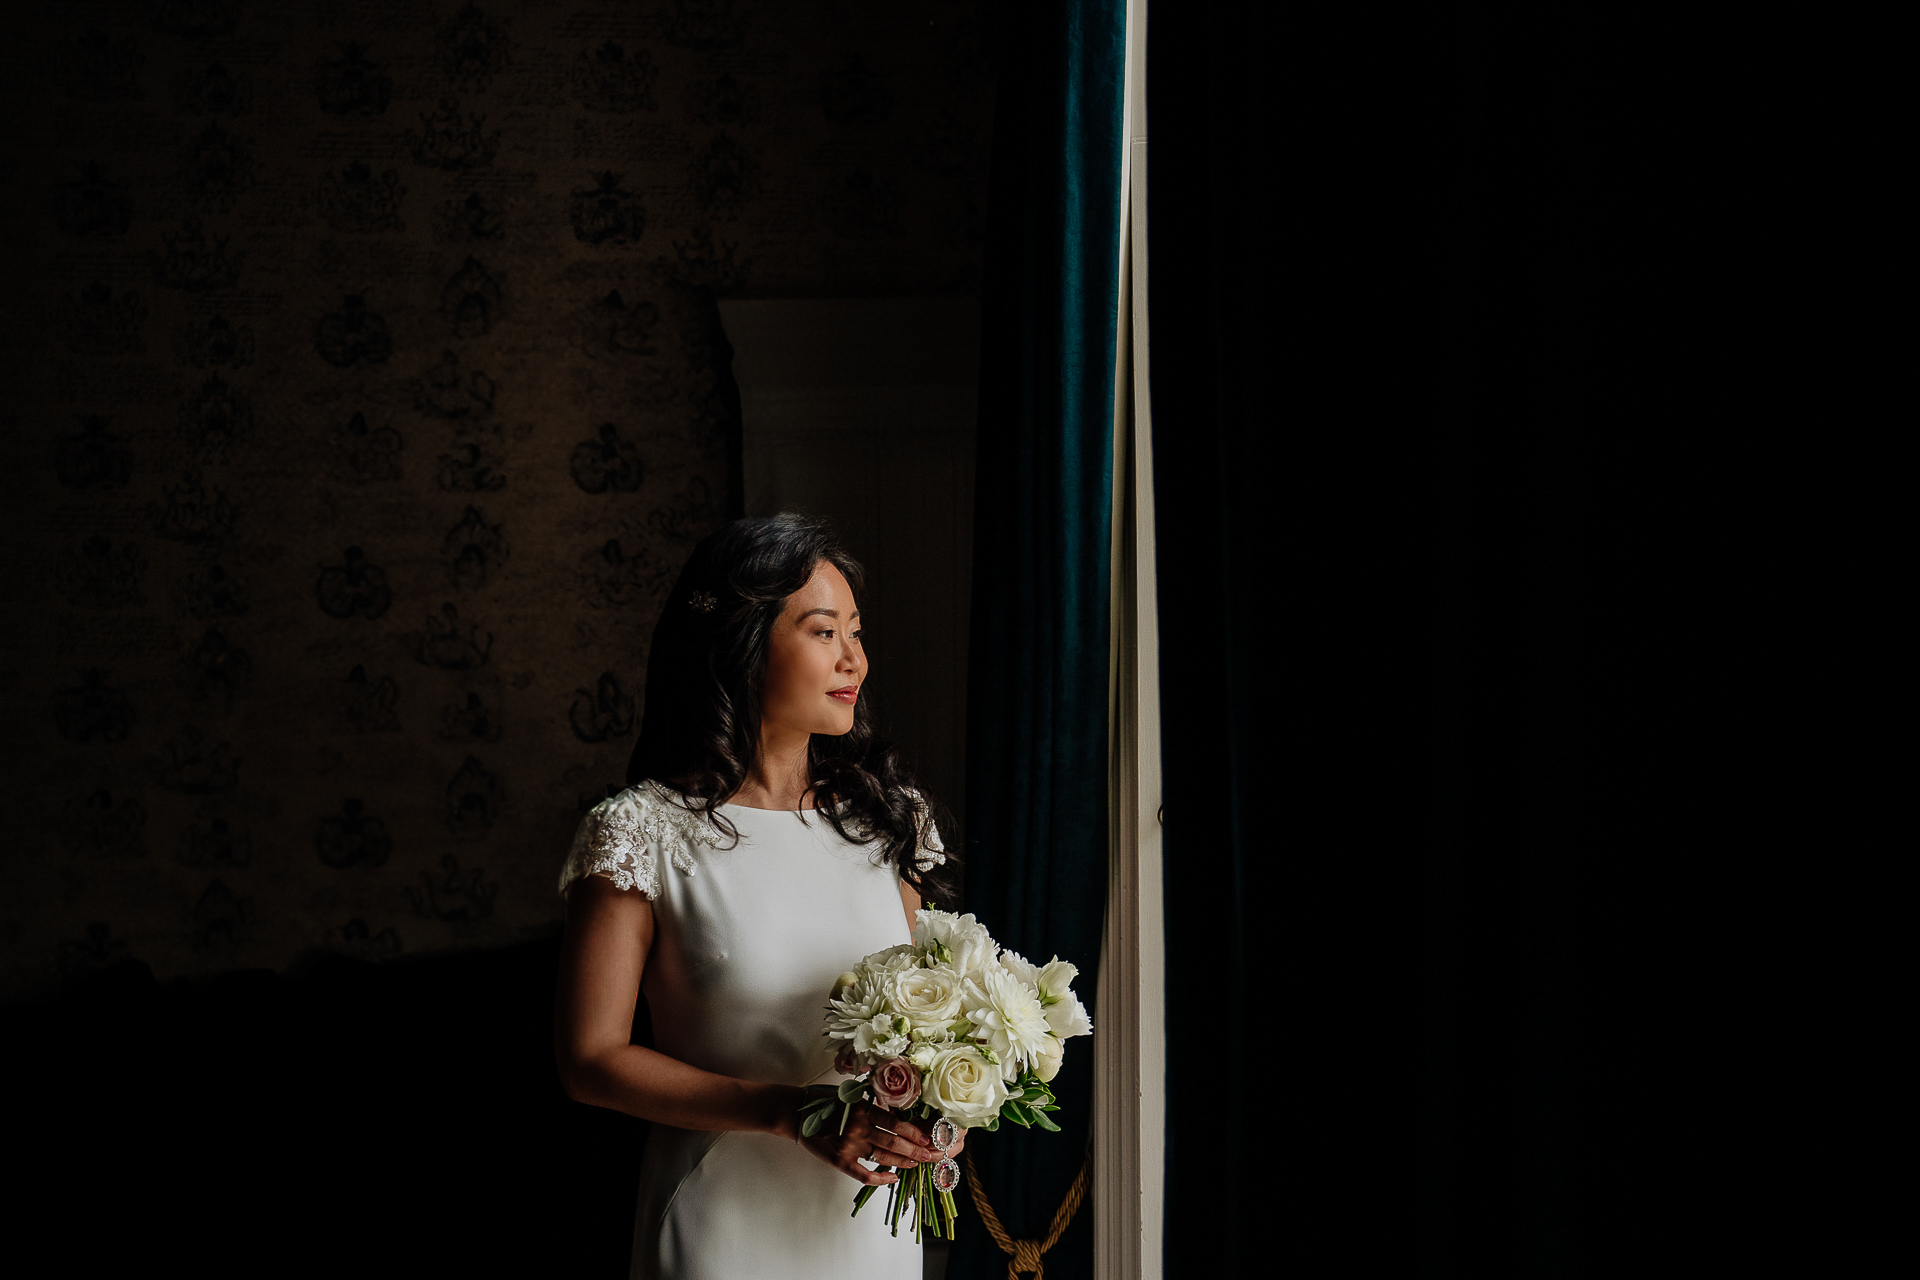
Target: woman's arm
column 609, row 934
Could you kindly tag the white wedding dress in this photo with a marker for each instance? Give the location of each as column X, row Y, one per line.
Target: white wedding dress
column 748, row 940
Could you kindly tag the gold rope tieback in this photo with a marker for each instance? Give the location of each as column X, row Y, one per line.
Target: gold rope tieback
column 1023, row 1256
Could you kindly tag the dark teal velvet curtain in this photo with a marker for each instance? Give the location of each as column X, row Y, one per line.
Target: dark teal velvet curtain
column 1036, row 829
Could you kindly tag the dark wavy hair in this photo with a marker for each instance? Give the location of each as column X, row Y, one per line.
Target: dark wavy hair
column 701, row 733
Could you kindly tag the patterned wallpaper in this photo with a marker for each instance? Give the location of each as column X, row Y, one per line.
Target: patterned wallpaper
column 369, row 392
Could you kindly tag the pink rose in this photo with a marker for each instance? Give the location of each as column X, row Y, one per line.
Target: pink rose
column 847, row 1061
column 895, row 1083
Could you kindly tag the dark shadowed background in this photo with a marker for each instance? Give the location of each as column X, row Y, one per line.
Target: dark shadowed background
column 370, row 367
column 368, row 384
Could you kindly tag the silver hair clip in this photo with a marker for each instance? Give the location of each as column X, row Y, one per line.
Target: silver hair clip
column 703, row 603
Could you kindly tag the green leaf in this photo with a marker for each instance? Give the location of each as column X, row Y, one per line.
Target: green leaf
column 1018, row 1114
column 992, row 1126
column 813, row 1124
column 850, row 1090
column 1040, row 1118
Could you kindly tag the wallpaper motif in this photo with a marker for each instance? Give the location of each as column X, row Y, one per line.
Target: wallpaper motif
column 368, row 394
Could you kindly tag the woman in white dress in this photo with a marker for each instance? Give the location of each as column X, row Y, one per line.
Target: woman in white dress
column 766, row 842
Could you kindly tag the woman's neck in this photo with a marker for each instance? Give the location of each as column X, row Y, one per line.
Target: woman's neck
column 780, row 778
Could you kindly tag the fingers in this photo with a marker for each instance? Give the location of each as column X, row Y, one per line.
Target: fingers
column 896, row 1141
column 897, row 1149
column 913, row 1132
column 881, row 1137
column 845, row 1154
column 870, row 1177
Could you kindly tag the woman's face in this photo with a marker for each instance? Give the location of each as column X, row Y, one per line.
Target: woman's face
column 814, row 661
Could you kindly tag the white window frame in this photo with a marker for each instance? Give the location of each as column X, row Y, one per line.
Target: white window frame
column 1129, row 1102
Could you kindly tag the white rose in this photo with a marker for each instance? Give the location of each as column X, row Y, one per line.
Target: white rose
column 965, row 940
column 923, row 1055
column 964, row 1087
column 929, row 999
column 893, row 959
column 1006, row 1014
column 1046, row 1062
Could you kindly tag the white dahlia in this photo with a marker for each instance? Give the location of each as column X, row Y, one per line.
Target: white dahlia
column 1006, row 1016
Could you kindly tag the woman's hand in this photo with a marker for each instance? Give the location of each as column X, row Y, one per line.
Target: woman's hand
column 873, row 1134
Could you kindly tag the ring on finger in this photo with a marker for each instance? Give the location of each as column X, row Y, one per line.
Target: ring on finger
column 891, row 1133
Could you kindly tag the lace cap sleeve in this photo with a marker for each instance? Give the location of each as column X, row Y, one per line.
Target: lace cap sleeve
column 612, row 843
column 624, row 838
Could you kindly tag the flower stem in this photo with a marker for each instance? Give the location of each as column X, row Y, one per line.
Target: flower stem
column 925, row 1201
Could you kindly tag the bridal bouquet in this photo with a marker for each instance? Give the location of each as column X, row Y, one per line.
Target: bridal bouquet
column 952, row 1029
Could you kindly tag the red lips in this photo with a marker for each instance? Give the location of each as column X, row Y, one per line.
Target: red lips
column 849, row 693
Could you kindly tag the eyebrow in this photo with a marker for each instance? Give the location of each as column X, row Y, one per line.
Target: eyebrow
column 831, row 613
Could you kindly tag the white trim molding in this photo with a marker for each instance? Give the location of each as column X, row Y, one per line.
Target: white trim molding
column 1129, row 1102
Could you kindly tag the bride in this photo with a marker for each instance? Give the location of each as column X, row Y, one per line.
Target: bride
column 765, row 843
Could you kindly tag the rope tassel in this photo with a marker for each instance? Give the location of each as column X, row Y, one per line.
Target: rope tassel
column 1023, row 1256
